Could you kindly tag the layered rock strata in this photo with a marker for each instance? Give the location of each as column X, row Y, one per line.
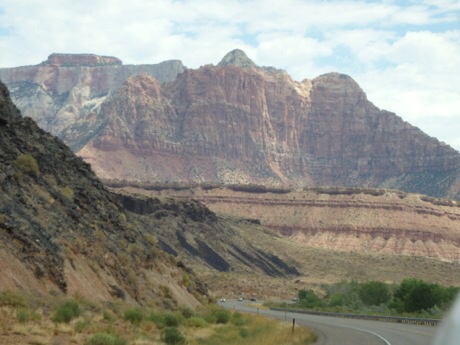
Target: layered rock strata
column 352, row 220
column 231, row 123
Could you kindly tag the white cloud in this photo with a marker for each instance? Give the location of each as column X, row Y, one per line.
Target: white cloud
column 404, row 54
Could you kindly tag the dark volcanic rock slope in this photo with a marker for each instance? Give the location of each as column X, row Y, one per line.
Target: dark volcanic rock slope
column 62, row 230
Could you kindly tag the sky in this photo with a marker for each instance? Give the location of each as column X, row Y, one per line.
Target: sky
column 405, row 54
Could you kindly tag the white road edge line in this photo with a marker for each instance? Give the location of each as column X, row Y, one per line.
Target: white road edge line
column 373, row 333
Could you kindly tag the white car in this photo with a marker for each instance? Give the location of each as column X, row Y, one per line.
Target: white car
column 222, row 300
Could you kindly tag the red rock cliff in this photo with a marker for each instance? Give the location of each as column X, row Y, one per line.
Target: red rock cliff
column 239, row 123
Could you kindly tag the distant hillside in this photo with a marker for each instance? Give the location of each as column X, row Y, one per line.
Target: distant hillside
column 334, row 218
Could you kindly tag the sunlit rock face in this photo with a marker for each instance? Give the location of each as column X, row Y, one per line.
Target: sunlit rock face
column 63, row 94
column 235, row 122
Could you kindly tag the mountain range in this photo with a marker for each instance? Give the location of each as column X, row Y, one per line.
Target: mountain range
column 234, row 122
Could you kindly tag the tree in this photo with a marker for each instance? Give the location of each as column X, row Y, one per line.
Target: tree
column 374, row 293
column 309, row 299
column 415, row 295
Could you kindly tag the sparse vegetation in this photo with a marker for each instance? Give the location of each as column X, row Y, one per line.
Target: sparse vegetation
column 67, row 192
column 66, row 312
column 27, row 164
column 106, row 339
column 85, row 323
column 172, row 336
column 135, row 316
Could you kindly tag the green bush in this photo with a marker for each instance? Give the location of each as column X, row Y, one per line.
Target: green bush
column 308, row 299
column 238, row 319
column 22, row 315
column 27, row 164
column 156, row 318
column 222, row 316
column 415, row 295
column 66, row 312
column 195, row 321
column 135, row 316
column 172, row 319
column 172, row 336
column 187, row 312
column 375, row 293
column 106, row 339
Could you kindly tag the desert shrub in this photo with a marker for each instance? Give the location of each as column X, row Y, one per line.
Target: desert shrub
column 80, row 325
column 66, row 312
column 238, row 319
column 172, row 336
column 343, row 294
column 248, row 188
column 108, row 315
column 105, row 339
column 122, row 217
column 209, row 186
column 195, row 321
column 12, row 299
column 22, row 315
column 337, row 300
column 27, row 164
column 222, row 316
column 156, row 318
column 135, row 316
column 186, row 312
column 67, row 192
column 172, row 319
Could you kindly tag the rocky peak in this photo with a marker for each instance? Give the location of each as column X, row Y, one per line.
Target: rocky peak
column 57, row 59
column 8, row 111
column 237, row 58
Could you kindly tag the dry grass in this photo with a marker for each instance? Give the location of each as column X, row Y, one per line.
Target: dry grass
column 257, row 330
column 94, row 319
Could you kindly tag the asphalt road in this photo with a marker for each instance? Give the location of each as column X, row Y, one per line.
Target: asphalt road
column 339, row 331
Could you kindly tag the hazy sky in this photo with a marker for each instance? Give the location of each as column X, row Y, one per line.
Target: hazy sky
column 404, row 54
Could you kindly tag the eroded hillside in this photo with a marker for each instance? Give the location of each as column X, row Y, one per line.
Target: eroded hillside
column 345, row 219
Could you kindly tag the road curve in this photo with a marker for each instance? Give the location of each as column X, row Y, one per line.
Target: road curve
column 339, row 331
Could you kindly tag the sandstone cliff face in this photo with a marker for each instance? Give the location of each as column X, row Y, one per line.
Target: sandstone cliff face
column 233, row 123
column 239, row 123
column 64, row 93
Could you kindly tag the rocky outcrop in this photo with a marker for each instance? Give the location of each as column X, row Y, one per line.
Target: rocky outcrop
column 81, row 60
column 64, row 93
column 234, row 123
